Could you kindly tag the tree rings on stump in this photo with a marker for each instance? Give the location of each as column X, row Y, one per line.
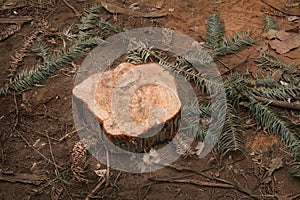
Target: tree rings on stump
column 137, row 105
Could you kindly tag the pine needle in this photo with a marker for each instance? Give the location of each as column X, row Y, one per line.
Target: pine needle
column 267, row 118
column 270, row 23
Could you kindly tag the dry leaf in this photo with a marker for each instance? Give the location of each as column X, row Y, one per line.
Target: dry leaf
column 282, row 41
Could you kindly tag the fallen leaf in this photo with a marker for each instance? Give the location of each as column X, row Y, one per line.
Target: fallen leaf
column 282, row 41
column 282, row 35
column 285, row 46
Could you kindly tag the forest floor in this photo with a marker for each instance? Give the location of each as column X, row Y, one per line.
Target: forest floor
column 37, row 132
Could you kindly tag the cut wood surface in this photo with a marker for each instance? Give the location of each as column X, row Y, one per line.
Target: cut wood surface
column 137, row 105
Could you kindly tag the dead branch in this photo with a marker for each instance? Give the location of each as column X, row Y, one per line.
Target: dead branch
column 71, row 7
column 200, row 183
column 42, row 155
column 280, row 10
column 282, row 104
column 96, row 188
column 15, row 20
column 193, row 182
column 23, row 178
column 68, row 134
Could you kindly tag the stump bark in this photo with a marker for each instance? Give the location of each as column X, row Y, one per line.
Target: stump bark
column 137, row 106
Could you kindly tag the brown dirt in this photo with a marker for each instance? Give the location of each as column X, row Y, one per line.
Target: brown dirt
column 44, row 114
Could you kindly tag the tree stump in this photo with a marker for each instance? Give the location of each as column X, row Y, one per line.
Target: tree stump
column 137, row 106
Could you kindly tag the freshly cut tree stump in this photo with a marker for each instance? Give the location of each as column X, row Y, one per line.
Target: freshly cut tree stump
column 137, row 105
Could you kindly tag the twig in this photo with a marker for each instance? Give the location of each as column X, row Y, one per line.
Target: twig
column 39, row 133
column 280, row 10
column 201, row 183
column 238, row 188
column 15, row 20
column 13, row 7
column 57, row 171
column 26, row 141
column 22, row 178
column 282, row 104
column 147, row 191
column 68, row 134
column 193, row 182
column 245, row 59
column 228, row 68
column 96, row 188
column 17, row 113
column 72, row 8
column 104, row 179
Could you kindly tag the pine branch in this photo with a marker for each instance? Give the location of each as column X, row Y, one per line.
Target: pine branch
column 294, row 169
column 236, row 89
column 293, row 78
column 40, row 49
column 89, row 18
column 107, row 27
column 27, row 79
column 268, row 82
column 215, row 31
column 277, row 93
column 232, row 137
column 276, row 125
column 265, row 59
column 230, row 45
column 192, row 115
column 270, row 23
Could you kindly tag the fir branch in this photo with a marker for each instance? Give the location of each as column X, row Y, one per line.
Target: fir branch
column 292, row 78
column 265, row 59
column 89, row 18
column 236, row 43
column 215, row 31
column 107, row 27
column 236, row 89
column 279, row 93
column 39, row 72
column 294, row 169
column 270, row 23
column 276, row 125
column 268, row 82
column 192, row 116
column 40, row 49
column 232, row 137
